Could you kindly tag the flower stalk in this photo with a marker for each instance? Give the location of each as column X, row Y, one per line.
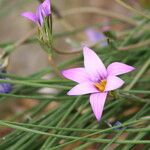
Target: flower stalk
column 43, row 18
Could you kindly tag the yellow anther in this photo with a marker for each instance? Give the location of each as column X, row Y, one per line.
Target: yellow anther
column 101, row 86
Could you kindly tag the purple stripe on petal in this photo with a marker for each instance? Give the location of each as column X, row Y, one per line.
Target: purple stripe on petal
column 40, row 15
column 113, row 83
column 83, row 88
column 31, row 16
column 93, row 65
column 97, row 102
column 47, row 7
column 76, row 74
column 117, row 68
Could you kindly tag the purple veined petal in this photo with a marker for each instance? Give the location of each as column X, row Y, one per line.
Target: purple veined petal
column 97, row 102
column 113, row 82
column 93, row 65
column 76, row 74
column 117, row 68
column 39, row 14
column 47, row 7
column 31, row 16
column 83, row 88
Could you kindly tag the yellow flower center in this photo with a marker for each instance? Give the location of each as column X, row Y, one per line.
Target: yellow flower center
column 101, row 86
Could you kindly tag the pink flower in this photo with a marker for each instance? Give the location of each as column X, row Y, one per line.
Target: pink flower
column 42, row 11
column 96, row 80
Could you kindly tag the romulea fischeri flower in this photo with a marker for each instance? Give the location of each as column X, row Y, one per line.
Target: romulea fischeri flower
column 5, row 87
column 96, row 79
column 42, row 11
column 95, row 36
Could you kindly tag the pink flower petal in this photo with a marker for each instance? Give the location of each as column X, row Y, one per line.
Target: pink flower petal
column 113, row 83
column 117, row 68
column 97, row 102
column 31, row 16
column 93, row 65
column 47, row 7
column 76, row 74
column 40, row 15
column 83, row 88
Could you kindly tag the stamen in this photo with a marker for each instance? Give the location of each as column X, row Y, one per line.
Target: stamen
column 101, row 86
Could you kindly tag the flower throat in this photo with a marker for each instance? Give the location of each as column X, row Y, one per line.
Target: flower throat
column 101, row 86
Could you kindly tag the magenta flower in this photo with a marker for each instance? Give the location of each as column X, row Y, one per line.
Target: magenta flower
column 96, row 80
column 42, row 11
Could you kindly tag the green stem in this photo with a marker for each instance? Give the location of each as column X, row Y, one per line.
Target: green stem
column 138, row 75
